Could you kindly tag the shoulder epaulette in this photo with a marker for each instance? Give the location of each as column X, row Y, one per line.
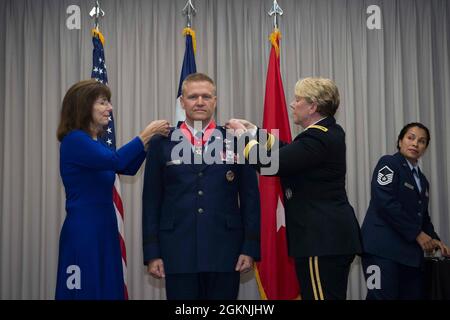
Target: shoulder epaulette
column 249, row 146
column 319, row 127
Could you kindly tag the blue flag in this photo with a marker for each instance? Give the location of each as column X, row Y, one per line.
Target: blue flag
column 188, row 68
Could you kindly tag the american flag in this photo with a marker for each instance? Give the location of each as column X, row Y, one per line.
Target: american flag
column 109, row 138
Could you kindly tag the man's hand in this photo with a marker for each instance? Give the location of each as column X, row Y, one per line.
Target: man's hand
column 156, row 268
column 244, row 264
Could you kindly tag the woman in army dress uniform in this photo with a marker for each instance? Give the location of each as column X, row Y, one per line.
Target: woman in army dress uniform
column 322, row 231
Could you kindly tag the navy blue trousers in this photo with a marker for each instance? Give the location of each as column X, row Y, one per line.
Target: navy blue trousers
column 203, row 286
column 397, row 281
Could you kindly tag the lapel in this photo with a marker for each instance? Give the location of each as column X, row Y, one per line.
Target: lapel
column 218, row 141
column 409, row 174
column 203, row 165
column 174, row 143
column 422, row 183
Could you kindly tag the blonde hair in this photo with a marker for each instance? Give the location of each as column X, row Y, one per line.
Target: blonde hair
column 321, row 91
column 197, row 77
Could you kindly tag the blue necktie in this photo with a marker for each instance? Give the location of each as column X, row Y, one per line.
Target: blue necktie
column 416, row 177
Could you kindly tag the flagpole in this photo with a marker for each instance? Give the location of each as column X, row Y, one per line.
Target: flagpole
column 275, row 273
column 189, row 65
column 189, row 11
column 100, row 74
column 97, row 13
column 275, row 11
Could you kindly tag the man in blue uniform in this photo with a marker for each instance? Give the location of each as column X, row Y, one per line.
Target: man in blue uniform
column 200, row 219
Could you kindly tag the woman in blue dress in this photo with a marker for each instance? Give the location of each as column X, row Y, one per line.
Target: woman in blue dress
column 90, row 263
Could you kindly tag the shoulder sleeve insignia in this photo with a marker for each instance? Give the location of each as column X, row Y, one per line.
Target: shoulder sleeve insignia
column 385, row 176
column 319, row 127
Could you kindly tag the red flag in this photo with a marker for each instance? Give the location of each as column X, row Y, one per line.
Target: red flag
column 276, row 272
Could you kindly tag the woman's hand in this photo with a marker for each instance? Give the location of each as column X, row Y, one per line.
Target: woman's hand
column 426, row 242
column 155, row 127
column 444, row 249
column 239, row 126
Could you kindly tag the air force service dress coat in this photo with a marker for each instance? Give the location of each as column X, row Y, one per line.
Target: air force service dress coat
column 397, row 212
column 198, row 217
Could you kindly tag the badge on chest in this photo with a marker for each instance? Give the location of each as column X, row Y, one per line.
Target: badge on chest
column 409, row 186
column 230, row 176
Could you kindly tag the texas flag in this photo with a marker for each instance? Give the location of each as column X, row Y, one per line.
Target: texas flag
column 188, row 68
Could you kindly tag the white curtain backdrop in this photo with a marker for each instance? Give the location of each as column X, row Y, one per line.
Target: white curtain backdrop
column 387, row 78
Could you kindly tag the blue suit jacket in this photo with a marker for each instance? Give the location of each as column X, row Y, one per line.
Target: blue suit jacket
column 397, row 213
column 198, row 217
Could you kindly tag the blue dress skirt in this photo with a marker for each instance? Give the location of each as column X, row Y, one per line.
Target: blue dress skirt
column 90, row 263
